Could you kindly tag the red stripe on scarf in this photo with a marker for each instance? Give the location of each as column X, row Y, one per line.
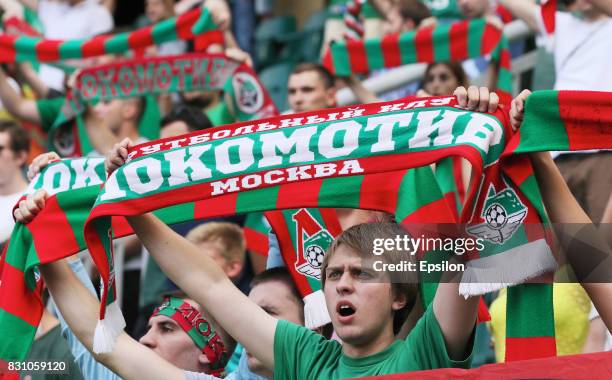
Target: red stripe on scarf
column 306, row 193
column 48, row 50
column 423, row 43
column 18, row 299
column 357, row 56
column 490, row 39
column 256, row 241
column 330, row 218
column 95, row 47
column 587, row 116
column 328, row 62
column 376, row 190
column 390, row 49
column 7, row 48
column 530, row 348
column 433, row 212
column 201, row 43
column 207, row 208
column 459, row 46
column 51, row 232
column 549, row 10
column 185, row 22
column 140, row 38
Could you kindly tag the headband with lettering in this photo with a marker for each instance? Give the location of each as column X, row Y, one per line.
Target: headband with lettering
column 199, row 330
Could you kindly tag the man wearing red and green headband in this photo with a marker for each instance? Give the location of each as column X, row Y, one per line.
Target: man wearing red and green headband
column 178, row 313
column 179, row 336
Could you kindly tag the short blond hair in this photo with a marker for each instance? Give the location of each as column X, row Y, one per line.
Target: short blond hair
column 227, row 236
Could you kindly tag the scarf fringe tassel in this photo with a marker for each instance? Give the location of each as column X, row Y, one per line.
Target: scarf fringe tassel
column 515, row 266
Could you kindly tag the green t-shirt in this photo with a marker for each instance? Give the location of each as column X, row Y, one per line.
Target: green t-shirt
column 302, row 354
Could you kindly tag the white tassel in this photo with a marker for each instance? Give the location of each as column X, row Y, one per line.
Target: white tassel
column 512, row 267
column 108, row 329
column 315, row 310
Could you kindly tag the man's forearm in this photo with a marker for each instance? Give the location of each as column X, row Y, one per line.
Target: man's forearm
column 578, row 234
column 561, row 205
column 78, row 307
column 525, row 10
column 14, row 103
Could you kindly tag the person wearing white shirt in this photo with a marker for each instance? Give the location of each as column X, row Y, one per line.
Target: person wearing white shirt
column 69, row 19
column 581, row 46
column 14, row 149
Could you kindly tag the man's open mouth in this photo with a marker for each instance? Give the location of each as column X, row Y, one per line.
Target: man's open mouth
column 345, row 309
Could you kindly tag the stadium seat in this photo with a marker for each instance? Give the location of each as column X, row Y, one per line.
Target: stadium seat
column 274, row 78
column 268, row 43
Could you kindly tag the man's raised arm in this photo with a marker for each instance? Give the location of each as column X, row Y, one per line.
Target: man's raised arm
column 201, row 278
column 16, row 104
column 129, row 359
column 525, row 10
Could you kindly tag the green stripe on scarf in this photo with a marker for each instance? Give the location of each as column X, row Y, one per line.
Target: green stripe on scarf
column 27, row 48
column 443, row 45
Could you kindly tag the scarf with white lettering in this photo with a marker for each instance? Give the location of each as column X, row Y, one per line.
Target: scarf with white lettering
column 342, row 174
column 163, row 74
column 452, row 42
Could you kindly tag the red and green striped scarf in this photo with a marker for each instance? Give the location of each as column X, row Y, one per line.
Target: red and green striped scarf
column 164, row 74
column 27, row 48
column 453, row 42
column 351, row 147
column 365, row 179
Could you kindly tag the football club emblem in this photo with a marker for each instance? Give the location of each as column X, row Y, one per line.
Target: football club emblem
column 312, row 242
column 249, row 94
column 503, row 213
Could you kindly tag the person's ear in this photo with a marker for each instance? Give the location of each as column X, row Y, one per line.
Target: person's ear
column 399, row 300
column 330, row 96
column 203, row 362
column 234, row 268
column 22, row 158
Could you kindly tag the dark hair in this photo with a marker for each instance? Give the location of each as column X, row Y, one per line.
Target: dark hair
column 361, row 239
column 455, row 67
column 327, row 77
column 19, row 137
column 414, row 10
column 282, row 275
column 192, row 116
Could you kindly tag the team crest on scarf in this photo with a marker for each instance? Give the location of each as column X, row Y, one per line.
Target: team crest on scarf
column 312, row 243
column 503, row 212
column 249, row 94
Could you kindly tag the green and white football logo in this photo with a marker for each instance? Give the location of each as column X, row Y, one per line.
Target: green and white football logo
column 503, row 213
column 249, row 94
column 312, row 242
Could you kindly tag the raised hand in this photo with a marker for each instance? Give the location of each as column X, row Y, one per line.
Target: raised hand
column 517, row 109
column 40, row 162
column 117, row 156
column 476, row 99
column 31, row 206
